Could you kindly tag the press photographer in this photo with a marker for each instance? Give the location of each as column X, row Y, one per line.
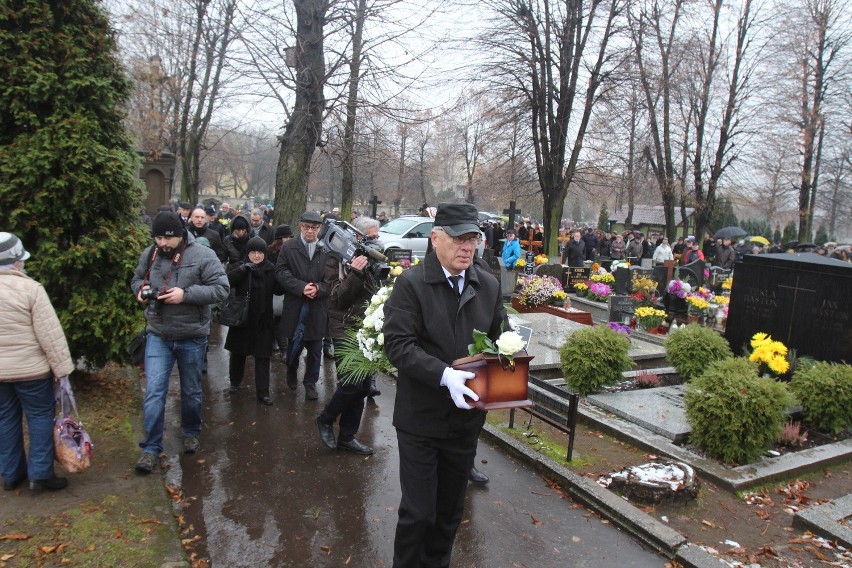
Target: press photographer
column 352, row 275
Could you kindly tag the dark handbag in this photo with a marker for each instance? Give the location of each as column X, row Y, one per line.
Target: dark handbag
column 235, row 311
column 136, row 349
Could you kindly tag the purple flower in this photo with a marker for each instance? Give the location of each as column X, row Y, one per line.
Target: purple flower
column 681, row 294
column 600, row 289
column 619, row 328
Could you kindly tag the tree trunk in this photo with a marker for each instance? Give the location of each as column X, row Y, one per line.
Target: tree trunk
column 348, row 179
column 304, row 128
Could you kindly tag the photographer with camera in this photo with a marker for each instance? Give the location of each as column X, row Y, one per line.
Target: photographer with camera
column 177, row 280
column 350, row 289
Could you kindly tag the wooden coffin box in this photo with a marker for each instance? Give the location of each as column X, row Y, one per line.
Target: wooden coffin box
column 497, row 383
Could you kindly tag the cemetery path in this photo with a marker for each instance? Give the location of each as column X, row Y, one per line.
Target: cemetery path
column 265, row 492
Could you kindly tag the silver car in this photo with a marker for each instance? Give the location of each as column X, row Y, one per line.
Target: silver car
column 410, row 232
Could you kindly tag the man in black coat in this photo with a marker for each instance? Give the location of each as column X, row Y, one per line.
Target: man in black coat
column 575, row 252
column 429, row 322
column 590, row 241
column 199, row 227
column 301, row 270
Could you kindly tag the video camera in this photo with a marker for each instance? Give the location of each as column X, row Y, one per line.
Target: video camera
column 348, row 242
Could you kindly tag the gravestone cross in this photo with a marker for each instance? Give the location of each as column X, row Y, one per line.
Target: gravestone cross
column 796, row 289
column 511, row 212
column 375, row 203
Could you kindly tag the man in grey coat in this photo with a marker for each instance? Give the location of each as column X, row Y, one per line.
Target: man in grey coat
column 301, row 271
column 177, row 280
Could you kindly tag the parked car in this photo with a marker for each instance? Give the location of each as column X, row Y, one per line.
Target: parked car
column 410, row 232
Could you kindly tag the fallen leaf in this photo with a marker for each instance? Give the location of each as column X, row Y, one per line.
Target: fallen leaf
column 326, row 549
column 534, row 520
column 575, row 538
column 15, row 536
column 47, row 549
column 708, row 523
column 119, row 533
column 6, row 557
column 156, row 522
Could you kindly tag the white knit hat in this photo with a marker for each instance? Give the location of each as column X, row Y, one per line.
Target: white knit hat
column 11, row 249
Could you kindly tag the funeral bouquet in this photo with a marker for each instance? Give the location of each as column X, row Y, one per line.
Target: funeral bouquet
column 696, row 305
column 679, row 288
column 362, row 351
column 509, row 344
column 619, row 264
column 537, row 290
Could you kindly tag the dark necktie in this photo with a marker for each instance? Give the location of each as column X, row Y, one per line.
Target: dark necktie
column 454, row 280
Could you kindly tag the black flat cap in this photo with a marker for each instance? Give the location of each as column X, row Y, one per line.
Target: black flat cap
column 457, row 218
column 310, row 217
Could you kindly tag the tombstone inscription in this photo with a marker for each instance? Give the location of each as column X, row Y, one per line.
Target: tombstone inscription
column 576, row 274
column 621, row 306
column 529, row 258
column 799, row 299
column 398, row 255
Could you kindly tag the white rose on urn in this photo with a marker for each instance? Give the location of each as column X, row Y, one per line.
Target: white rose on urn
column 509, row 343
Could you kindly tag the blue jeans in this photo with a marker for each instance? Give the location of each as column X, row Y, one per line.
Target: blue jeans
column 35, row 398
column 160, row 357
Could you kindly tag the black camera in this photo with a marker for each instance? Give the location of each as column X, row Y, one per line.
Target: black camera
column 150, row 293
column 348, row 242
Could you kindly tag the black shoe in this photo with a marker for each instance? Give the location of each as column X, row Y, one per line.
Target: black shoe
column 477, row 476
column 265, row 400
column 326, row 434
column 311, row 392
column 292, row 380
column 233, row 388
column 355, row 447
column 12, row 485
column 52, row 484
column 373, row 392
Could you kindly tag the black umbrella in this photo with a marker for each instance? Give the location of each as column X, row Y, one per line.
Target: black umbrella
column 729, row 233
column 294, row 349
column 805, row 246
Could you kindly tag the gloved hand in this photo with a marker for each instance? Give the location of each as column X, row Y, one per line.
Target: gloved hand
column 455, row 380
column 249, row 267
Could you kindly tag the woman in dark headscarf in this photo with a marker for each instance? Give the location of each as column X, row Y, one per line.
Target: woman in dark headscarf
column 255, row 274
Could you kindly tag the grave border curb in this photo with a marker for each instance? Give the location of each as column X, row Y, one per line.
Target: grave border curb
column 824, row 520
column 620, row 512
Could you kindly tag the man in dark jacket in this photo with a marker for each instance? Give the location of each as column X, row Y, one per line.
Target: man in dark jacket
column 590, row 240
column 301, row 271
column 726, row 255
column 349, row 293
column 575, row 252
column 199, row 227
column 429, row 321
column 188, row 278
column 235, row 243
column 259, row 227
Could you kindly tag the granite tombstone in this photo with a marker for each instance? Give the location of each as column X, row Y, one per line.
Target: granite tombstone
column 800, row 299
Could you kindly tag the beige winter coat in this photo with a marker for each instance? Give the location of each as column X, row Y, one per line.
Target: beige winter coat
column 32, row 343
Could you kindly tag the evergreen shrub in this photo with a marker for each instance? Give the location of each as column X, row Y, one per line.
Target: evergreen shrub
column 69, row 181
column 825, row 391
column 735, row 413
column 692, row 348
column 594, row 357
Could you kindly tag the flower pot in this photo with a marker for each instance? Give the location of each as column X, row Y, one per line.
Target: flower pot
column 498, row 384
column 581, row 293
column 559, row 303
column 692, row 319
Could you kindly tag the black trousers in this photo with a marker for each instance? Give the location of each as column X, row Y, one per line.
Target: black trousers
column 433, row 474
column 347, row 402
column 313, row 359
column 237, row 367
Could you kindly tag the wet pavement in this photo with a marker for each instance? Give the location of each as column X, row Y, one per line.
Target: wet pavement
column 264, row 491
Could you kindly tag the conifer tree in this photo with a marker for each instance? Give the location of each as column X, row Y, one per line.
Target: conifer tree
column 68, row 171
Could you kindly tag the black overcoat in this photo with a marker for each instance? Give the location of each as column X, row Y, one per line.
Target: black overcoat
column 256, row 337
column 426, row 328
column 294, row 271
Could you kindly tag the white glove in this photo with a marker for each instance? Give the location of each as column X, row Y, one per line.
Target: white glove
column 455, row 381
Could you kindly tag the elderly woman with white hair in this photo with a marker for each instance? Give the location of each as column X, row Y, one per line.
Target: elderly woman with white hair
column 33, row 354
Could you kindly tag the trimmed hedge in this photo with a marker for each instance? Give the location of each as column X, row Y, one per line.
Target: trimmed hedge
column 594, row 357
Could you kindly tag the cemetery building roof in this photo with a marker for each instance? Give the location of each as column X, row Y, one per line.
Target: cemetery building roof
column 649, row 215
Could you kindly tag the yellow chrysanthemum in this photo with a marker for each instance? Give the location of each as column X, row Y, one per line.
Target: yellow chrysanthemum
column 758, row 338
column 779, row 365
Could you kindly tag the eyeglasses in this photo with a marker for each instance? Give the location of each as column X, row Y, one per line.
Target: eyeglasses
column 307, row 227
column 474, row 240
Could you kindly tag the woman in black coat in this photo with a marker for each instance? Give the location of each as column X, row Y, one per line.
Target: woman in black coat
column 254, row 338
